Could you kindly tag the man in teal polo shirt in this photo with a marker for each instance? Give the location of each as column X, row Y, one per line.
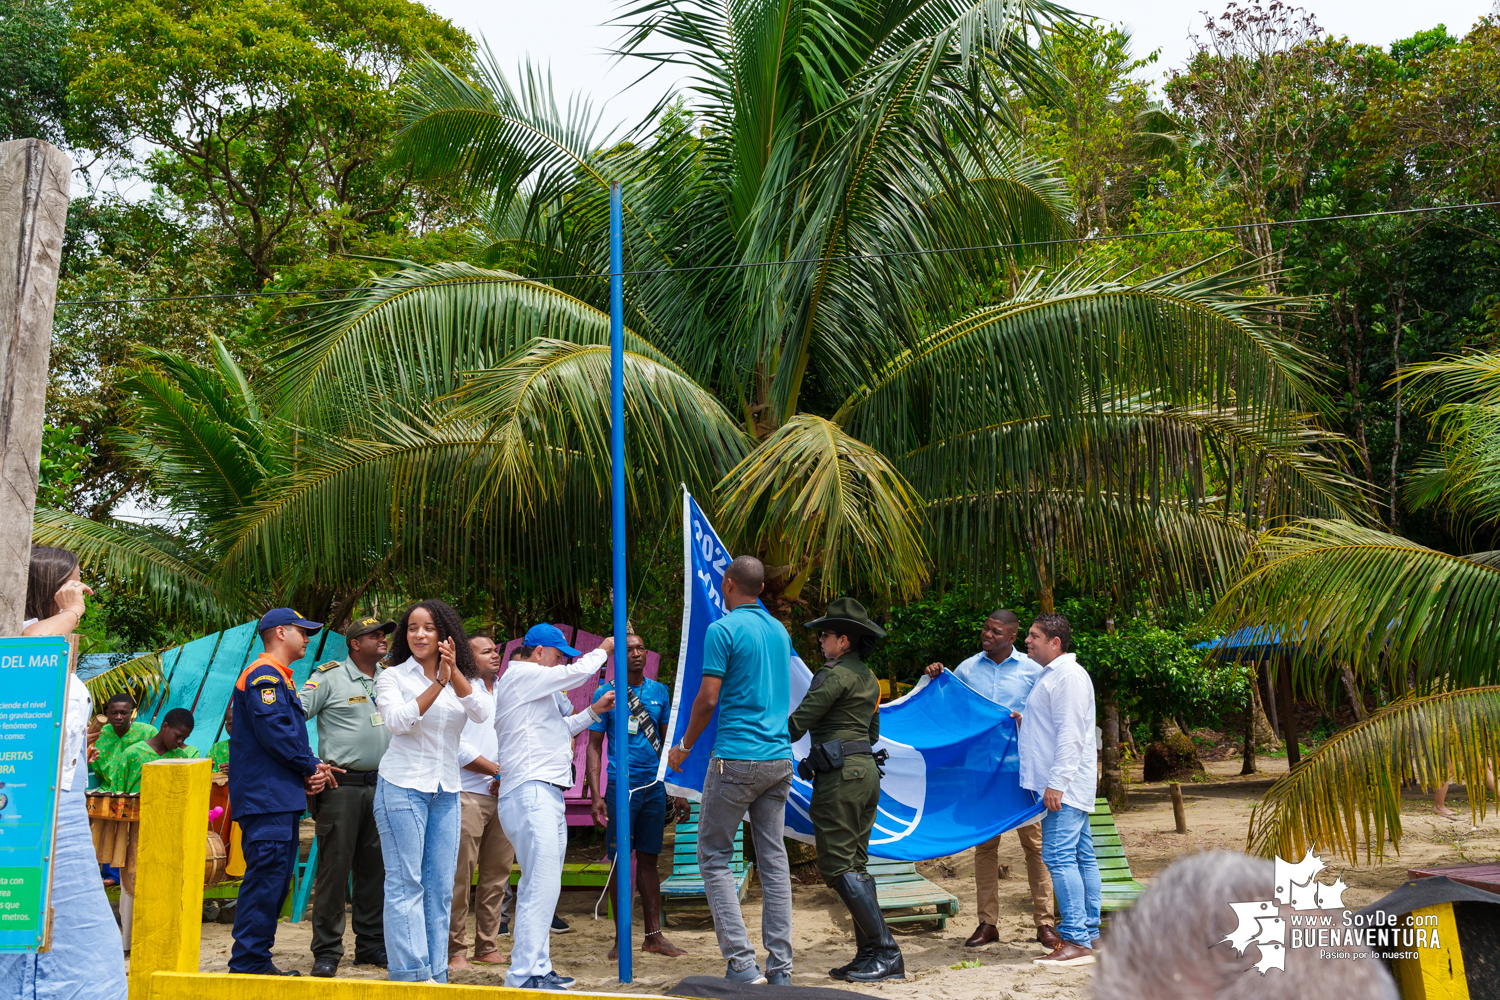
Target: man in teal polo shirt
column 747, row 662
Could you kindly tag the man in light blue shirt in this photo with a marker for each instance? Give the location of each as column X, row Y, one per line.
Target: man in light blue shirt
column 1005, row 675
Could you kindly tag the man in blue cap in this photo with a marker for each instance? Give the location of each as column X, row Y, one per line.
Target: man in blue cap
column 271, row 771
column 536, row 767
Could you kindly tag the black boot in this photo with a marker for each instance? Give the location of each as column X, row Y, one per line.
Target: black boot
column 858, row 893
column 864, row 952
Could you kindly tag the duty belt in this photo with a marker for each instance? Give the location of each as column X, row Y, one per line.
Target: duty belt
column 357, row 777
column 852, row 747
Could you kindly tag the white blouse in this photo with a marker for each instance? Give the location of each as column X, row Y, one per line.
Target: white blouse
column 423, row 754
column 79, row 706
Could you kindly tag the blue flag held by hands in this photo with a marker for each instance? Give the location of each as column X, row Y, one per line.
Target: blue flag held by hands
column 952, row 779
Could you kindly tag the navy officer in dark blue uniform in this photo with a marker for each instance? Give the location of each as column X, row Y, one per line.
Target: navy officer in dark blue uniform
column 272, row 769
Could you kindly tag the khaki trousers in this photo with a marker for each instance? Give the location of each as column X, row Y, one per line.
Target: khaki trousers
column 481, row 842
column 987, row 877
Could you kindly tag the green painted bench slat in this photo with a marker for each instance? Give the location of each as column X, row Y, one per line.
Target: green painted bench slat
column 898, row 886
column 683, row 889
column 1120, row 888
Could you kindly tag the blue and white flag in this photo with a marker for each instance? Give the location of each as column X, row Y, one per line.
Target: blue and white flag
column 952, row 780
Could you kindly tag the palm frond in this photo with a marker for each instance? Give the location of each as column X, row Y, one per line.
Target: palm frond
column 1347, row 793
column 819, row 497
column 1374, row 601
column 140, row 677
column 410, row 335
column 156, row 562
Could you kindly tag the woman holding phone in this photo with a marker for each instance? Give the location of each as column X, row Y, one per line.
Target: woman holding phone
column 424, row 698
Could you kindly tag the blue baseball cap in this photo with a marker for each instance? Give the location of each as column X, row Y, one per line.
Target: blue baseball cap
column 286, row 616
column 549, row 635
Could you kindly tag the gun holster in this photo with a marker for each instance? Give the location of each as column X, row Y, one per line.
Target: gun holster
column 823, row 757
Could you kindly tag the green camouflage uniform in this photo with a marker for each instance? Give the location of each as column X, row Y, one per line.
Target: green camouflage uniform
column 842, row 704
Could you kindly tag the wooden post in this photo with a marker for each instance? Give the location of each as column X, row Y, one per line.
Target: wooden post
column 169, row 870
column 1179, row 813
column 33, row 213
column 1288, row 721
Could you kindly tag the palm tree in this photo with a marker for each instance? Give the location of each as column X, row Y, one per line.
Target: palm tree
column 839, row 323
column 1425, row 622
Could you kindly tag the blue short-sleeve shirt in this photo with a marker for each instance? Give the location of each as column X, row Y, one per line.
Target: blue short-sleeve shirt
column 752, row 653
column 643, row 760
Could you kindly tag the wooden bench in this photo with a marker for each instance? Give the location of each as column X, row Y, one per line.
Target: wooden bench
column 1481, row 876
column 899, row 887
column 1121, row 890
column 683, row 889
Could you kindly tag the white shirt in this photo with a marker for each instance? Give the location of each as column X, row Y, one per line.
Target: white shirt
column 533, row 729
column 1057, row 734
column 478, row 740
column 75, row 729
column 79, row 706
column 423, row 754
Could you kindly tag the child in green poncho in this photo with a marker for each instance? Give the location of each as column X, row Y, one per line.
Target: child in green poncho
column 171, row 742
column 119, row 734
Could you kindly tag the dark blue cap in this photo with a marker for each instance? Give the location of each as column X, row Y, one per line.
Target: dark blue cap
column 286, row 616
column 549, row 635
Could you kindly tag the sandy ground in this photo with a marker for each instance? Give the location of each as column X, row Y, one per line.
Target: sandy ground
column 1218, row 813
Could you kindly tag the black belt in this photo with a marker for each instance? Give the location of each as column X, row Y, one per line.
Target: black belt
column 357, row 777
column 830, row 756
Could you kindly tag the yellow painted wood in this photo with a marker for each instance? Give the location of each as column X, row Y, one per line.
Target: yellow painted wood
column 236, row 866
column 1436, row 973
column 168, row 924
column 221, row 986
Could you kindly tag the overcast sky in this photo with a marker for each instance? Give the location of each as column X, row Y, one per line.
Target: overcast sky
column 570, row 36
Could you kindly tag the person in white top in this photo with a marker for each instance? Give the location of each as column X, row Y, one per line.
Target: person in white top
column 424, row 698
column 536, row 766
column 481, row 839
column 1058, row 760
column 87, row 958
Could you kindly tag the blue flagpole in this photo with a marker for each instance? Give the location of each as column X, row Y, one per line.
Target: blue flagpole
column 618, row 740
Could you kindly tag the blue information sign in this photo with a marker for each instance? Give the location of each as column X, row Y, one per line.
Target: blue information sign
column 33, row 698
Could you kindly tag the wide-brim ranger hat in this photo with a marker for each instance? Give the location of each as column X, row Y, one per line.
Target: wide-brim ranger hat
column 847, row 614
column 364, row 626
column 549, row 635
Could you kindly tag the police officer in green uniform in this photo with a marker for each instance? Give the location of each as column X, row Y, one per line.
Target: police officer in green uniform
column 340, row 694
column 841, row 711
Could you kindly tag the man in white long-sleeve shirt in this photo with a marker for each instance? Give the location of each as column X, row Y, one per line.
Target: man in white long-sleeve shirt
column 1057, row 760
column 535, row 743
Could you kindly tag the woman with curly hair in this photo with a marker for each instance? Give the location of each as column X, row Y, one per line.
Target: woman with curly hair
column 424, row 698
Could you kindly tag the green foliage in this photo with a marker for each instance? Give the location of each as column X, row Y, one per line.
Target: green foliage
column 33, row 86
column 271, row 119
column 1156, row 676
column 63, row 463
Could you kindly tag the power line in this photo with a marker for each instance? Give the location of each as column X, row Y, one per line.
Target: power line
column 1104, row 238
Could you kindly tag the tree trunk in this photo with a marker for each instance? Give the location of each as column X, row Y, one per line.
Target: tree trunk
column 1248, row 767
column 1269, row 698
column 1352, row 689
column 33, row 213
column 1288, row 720
column 1112, row 782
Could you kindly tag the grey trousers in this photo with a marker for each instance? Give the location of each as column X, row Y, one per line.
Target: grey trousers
column 732, row 788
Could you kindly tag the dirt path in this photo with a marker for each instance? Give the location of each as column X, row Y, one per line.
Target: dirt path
column 1218, row 813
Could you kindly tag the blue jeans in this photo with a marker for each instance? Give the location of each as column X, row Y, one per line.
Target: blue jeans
column 1068, row 853
column 419, row 839
column 85, row 962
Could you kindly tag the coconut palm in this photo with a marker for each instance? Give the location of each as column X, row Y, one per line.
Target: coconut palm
column 839, row 325
column 1427, row 623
